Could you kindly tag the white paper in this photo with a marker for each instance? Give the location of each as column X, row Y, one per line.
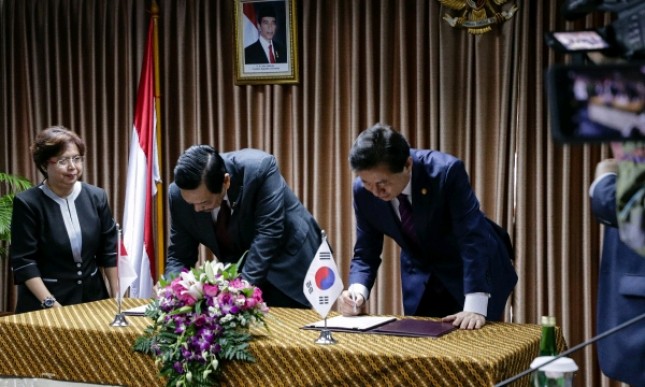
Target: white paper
column 137, row 311
column 359, row 323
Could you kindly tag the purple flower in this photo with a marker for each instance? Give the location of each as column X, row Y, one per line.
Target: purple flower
column 199, row 320
column 210, row 290
column 250, row 303
column 237, row 283
column 202, row 344
column 178, row 367
column 180, row 328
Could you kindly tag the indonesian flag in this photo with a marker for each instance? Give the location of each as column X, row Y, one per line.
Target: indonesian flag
column 249, row 28
column 127, row 275
column 322, row 284
column 143, row 173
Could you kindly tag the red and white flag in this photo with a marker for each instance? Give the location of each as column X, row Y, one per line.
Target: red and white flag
column 249, row 29
column 125, row 269
column 323, row 283
column 143, row 173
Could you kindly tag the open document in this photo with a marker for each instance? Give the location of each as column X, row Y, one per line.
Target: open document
column 352, row 323
column 385, row 325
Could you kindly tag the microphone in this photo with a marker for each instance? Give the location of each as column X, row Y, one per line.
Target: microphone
column 573, row 349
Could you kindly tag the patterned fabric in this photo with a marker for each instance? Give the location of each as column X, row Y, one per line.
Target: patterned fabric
column 77, row 343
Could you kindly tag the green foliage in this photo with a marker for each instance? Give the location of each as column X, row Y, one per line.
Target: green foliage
column 14, row 184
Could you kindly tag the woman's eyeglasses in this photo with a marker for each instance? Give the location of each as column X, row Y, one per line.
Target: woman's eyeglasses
column 64, row 162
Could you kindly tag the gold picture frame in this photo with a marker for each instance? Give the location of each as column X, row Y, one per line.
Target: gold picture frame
column 266, row 53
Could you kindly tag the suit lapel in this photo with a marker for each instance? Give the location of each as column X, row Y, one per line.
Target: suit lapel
column 421, row 203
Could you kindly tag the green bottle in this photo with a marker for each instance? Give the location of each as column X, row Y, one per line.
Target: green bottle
column 547, row 340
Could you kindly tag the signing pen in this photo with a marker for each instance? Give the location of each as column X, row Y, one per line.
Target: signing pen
column 354, row 298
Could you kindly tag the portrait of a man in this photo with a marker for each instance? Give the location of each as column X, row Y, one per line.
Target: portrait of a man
column 266, row 42
column 267, row 48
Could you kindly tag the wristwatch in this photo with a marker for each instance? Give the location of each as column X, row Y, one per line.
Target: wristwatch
column 48, row 302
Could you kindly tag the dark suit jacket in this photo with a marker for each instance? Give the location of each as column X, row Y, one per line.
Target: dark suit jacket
column 466, row 252
column 268, row 220
column 254, row 53
column 40, row 247
column 621, row 294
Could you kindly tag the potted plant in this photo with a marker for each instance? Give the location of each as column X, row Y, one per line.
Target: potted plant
column 14, row 184
column 10, row 185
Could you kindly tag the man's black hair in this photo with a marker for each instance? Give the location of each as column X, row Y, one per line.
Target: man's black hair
column 264, row 10
column 378, row 145
column 200, row 163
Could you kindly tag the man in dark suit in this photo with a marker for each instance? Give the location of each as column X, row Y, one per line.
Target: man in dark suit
column 239, row 202
column 621, row 287
column 265, row 49
column 454, row 261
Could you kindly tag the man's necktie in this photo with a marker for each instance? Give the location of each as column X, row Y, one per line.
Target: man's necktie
column 407, row 223
column 221, row 230
column 271, row 57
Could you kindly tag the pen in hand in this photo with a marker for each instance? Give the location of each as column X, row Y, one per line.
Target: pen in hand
column 354, row 298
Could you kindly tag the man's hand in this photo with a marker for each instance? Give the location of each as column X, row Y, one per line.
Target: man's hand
column 606, row 166
column 351, row 304
column 466, row 320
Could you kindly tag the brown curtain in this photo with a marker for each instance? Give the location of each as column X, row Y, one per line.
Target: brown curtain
column 481, row 98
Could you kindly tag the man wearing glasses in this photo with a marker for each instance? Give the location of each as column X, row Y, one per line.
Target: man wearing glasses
column 455, row 263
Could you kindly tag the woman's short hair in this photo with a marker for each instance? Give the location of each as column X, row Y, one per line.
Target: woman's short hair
column 51, row 142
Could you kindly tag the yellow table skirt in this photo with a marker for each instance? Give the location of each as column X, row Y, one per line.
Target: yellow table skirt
column 77, row 343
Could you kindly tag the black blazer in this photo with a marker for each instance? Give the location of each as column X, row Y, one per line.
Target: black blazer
column 254, row 53
column 40, row 247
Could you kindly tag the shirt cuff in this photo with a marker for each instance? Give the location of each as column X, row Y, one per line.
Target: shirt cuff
column 477, row 303
column 359, row 289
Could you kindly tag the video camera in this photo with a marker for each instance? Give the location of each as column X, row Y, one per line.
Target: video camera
column 624, row 37
column 599, row 102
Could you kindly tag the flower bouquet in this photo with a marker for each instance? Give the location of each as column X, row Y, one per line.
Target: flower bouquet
column 200, row 319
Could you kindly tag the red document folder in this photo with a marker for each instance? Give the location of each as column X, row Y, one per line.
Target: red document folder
column 415, row 328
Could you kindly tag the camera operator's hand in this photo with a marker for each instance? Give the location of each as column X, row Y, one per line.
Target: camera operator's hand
column 606, row 166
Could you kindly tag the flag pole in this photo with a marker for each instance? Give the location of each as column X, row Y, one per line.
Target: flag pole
column 119, row 317
column 157, row 93
column 325, row 337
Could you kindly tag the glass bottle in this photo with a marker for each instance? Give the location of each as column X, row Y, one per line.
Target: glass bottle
column 547, row 340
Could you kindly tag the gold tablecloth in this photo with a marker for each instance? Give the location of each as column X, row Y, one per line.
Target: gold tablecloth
column 77, row 343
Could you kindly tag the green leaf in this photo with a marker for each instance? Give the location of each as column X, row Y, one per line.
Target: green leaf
column 14, row 185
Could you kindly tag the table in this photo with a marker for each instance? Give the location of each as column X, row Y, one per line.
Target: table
column 77, row 343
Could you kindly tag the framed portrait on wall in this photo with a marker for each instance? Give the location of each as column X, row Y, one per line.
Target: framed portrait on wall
column 266, row 42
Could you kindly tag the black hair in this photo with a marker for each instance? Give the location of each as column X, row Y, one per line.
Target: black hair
column 200, row 163
column 378, row 145
column 264, row 10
